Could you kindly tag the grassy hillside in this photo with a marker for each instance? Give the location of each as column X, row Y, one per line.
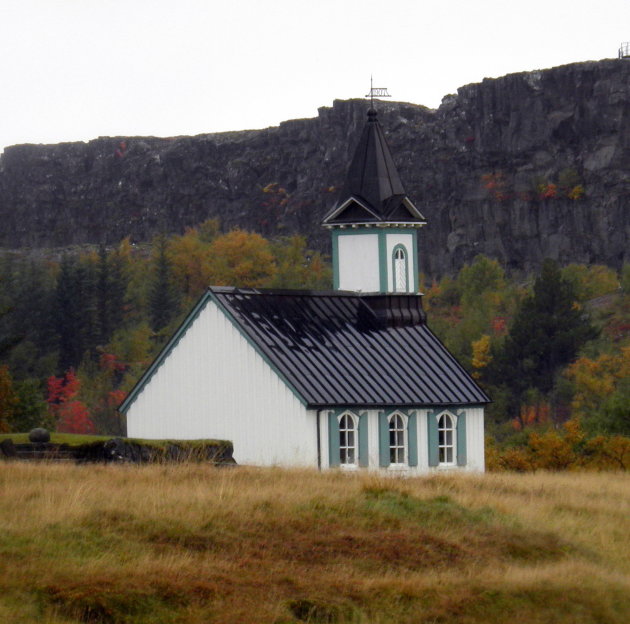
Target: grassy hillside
column 189, row 543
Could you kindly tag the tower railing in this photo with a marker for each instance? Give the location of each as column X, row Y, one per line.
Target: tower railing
column 624, row 50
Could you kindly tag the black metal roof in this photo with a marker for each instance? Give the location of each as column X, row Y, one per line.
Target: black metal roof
column 338, row 348
column 373, row 191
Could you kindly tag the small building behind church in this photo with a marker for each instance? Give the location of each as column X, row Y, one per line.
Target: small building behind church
column 351, row 378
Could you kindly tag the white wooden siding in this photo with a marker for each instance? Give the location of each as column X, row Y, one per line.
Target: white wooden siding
column 358, row 262
column 214, row 384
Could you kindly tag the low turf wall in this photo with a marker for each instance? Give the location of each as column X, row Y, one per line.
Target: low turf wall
column 121, row 450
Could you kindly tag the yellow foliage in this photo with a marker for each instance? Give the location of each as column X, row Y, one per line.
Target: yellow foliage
column 241, row 258
column 597, row 379
column 481, row 352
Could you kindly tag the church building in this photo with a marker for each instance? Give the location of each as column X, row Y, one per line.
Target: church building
column 351, row 378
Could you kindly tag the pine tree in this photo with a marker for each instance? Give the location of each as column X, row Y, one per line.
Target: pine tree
column 548, row 331
column 163, row 303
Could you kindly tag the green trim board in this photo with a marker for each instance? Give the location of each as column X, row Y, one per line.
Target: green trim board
column 335, row 258
column 382, row 261
column 432, row 438
column 461, row 439
column 415, row 264
column 334, row 460
column 164, row 353
column 364, row 453
column 412, row 438
column 383, row 440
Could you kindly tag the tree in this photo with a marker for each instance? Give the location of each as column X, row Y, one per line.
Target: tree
column 8, row 399
column 163, row 304
column 548, row 331
column 241, row 258
column 298, row 266
column 75, row 316
column 30, row 411
column 69, row 414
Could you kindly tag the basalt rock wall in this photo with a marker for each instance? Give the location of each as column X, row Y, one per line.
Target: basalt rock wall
column 520, row 168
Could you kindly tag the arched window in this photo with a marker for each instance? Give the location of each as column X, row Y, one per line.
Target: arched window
column 400, row 269
column 446, row 439
column 347, row 440
column 397, row 439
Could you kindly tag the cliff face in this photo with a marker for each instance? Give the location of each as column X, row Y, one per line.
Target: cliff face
column 520, row 168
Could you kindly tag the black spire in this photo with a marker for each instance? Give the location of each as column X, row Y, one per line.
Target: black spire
column 373, row 191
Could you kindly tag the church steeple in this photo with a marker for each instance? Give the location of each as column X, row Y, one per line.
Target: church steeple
column 373, row 222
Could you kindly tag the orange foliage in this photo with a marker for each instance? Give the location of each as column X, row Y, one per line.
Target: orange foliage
column 532, row 415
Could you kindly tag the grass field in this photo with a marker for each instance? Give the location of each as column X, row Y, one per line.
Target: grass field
column 191, row 543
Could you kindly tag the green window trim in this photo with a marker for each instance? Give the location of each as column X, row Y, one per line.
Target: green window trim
column 383, row 440
column 432, row 434
column 412, row 439
column 334, row 459
column 459, row 423
column 461, row 439
column 405, row 252
column 361, row 444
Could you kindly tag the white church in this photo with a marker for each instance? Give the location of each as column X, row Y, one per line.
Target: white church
column 351, row 379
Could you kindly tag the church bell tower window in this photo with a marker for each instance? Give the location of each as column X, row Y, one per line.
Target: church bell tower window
column 400, row 270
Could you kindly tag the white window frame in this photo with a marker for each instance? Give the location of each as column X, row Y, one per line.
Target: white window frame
column 444, row 445
column 345, row 448
column 405, row 442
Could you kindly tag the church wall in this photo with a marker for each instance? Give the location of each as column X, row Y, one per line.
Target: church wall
column 214, row 384
column 357, row 261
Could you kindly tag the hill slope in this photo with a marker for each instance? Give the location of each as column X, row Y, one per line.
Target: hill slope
column 196, row 544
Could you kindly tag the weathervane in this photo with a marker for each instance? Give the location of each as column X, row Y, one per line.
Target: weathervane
column 376, row 91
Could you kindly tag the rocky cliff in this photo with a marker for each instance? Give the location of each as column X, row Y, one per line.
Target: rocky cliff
column 520, row 168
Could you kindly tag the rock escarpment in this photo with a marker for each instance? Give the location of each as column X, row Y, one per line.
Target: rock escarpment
column 520, row 168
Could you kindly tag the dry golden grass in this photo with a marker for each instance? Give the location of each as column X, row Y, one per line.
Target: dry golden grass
column 192, row 543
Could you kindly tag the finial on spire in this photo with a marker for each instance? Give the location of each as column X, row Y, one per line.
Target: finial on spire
column 376, row 92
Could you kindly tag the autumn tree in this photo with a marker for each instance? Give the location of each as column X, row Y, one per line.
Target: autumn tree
column 241, row 258
column 299, row 267
column 66, row 410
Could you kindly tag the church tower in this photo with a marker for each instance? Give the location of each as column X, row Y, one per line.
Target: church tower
column 374, row 223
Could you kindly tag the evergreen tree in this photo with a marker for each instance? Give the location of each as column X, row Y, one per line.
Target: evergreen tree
column 163, row 303
column 111, row 284
column 548, row 331
column 76, row 312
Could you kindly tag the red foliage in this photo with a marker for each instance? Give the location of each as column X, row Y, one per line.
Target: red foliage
column 115, row 398
column 71, row 416
column 499, row 325
column 62, row 389
column 110, row 362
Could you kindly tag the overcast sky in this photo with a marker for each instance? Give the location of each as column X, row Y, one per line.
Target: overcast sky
column 73, row 70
